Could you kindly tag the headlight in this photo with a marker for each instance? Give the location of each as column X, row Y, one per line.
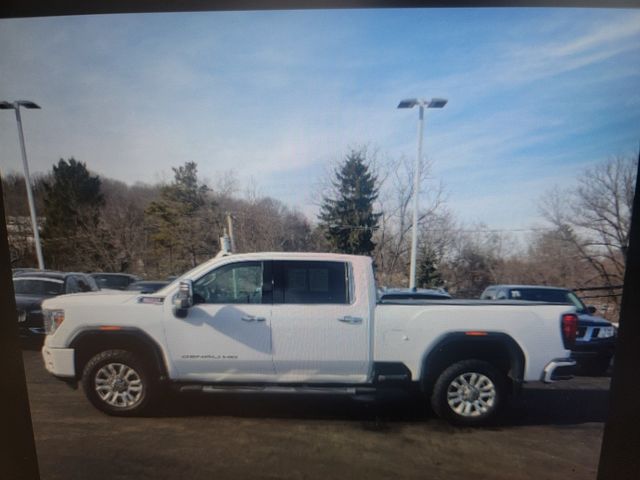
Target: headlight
column 606, row 332
column 52, row 320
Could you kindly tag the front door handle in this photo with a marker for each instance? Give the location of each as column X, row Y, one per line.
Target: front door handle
column 349, row 319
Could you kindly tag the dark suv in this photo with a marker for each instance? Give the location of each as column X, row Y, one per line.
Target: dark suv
column 596, row 337
column 32, row 287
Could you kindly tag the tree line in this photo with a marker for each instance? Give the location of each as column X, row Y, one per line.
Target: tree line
column 92, row 223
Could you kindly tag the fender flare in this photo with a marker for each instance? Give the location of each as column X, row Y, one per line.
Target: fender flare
column 481, row 339
column 125, row 333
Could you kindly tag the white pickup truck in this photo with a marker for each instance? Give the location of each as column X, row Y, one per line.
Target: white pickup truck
column 301, row 323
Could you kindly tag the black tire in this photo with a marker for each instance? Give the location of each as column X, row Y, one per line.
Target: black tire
column 478, row 402
column 120, row 383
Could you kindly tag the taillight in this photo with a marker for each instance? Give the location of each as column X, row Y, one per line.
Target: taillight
column 569, row 329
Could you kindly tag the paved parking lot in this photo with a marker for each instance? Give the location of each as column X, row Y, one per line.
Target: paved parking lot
column 554, row 431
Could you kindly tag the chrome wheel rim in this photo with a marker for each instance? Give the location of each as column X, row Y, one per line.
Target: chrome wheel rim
column 118, row 385
column 471, row 394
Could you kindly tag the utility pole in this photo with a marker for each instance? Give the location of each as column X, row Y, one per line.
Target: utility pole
column 230, row 229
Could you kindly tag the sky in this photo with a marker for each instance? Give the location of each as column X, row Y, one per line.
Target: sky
column 535, row 96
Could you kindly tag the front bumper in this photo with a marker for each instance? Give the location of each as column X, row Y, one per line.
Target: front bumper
column 30, row 324
column 559, row 369
column 59, row 361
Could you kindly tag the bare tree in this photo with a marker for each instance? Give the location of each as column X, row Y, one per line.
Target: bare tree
column 394, row 203
column 19, row 229
column 123, row 240
column 473, row 260
column 266, row 224
column 597, row 212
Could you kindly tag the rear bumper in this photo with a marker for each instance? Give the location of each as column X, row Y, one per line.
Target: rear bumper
column 59, row 361
column 559, row 369
column 602, row 348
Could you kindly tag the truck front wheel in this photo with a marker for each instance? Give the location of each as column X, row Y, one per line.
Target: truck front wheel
column 119, row 383
column 469, row 393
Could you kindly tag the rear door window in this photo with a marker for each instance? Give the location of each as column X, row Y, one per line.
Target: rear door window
column 311, row 282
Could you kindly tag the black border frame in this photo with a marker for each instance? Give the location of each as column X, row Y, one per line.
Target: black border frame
column 621, row 441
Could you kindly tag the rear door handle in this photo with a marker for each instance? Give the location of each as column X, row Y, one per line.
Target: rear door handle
column 251, row 318
column 349, row 319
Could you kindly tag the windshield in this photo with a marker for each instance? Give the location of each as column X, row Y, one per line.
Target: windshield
column 36, row 286
column 548, row 295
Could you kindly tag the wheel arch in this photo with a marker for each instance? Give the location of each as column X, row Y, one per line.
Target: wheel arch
column 496, row 348
column 90, row 342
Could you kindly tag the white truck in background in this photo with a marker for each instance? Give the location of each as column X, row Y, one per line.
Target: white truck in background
column 301, row 323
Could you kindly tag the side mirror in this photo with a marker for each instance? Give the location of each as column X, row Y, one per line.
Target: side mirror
column 183, row 299
column 592, row 310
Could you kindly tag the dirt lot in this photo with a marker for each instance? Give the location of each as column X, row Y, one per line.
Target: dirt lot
column 554, row 431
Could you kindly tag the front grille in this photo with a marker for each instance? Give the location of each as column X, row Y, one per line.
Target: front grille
column 33, row 320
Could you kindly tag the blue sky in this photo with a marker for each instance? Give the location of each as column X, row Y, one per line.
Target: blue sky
column 535, row 96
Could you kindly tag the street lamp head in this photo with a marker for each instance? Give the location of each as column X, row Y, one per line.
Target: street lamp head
column 433, row 103
column 408, row 103
column 4, row 105
column 27, row 104
column 436, row 103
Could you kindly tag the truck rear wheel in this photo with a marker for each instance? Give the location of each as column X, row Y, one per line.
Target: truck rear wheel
column 119, row 383
column 469, row 393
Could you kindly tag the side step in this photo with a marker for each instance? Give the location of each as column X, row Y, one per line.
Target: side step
column 305, row 390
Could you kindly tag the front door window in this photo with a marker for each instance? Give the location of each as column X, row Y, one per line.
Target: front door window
column 237, row 283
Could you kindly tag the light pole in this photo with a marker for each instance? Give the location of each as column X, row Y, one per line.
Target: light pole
column 32, row 208
column 410, row 103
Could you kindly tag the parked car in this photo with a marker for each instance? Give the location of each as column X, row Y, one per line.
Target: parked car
column 114, row 281
column 596, row 337
column 147, row 286
column 33, row 287
column 302, row 323
column 387, row 295
column 21, row 270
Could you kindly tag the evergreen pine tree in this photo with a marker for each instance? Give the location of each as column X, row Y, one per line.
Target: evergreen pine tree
column 183, row 223
column 429, row 275
column 347, row 217
column 72, row 211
